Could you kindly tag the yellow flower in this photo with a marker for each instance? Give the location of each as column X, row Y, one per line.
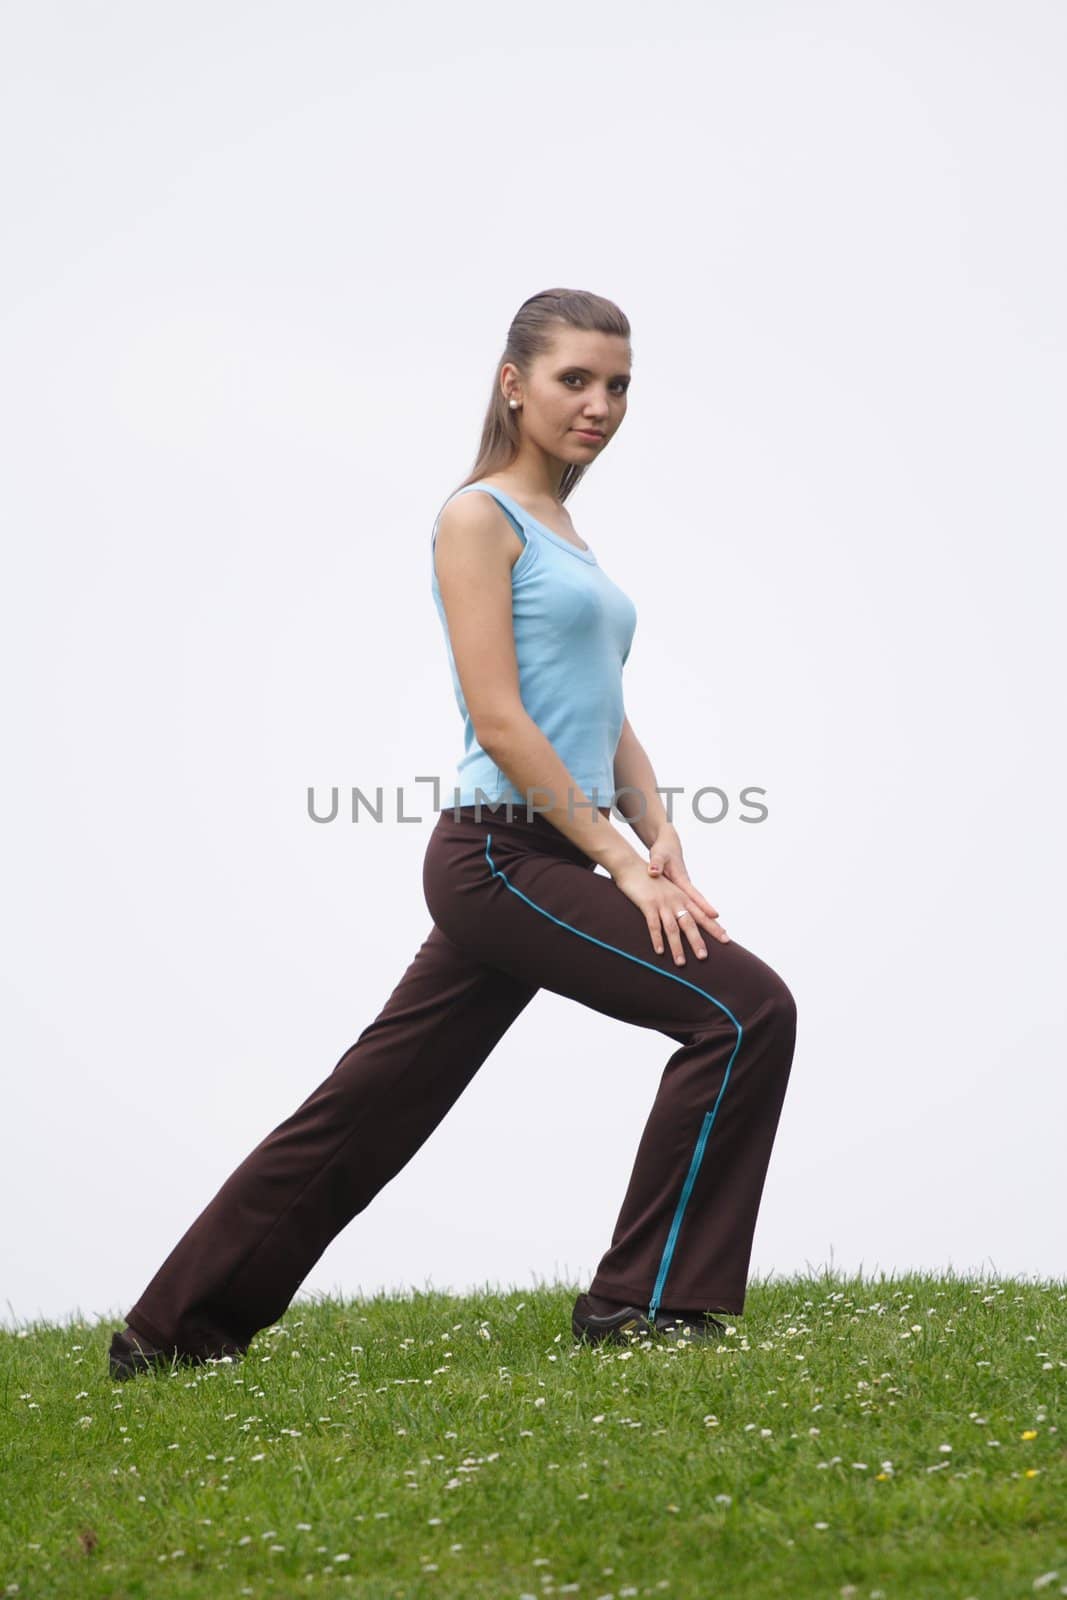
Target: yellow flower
column 1031, row 1433
column 881, row 1477
column 1031, row 1472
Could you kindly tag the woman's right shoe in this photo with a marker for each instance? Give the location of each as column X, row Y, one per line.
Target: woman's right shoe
column 620, row 1327
column 696, row 1328
column 132, row 1353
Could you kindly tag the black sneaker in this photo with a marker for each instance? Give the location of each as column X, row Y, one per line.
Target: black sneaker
column 703, row 1329
column 132, row 1353
column 621, row 1327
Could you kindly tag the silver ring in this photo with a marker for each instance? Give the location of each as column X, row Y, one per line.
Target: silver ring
column 682, row 913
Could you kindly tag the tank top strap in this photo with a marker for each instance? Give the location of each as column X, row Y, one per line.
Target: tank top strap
column 511, row 509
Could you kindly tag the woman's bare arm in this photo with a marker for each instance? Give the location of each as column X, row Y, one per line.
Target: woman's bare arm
column 643, row 809
column 474, row 554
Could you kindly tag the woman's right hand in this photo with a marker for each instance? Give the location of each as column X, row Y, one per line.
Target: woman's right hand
column 660, row 901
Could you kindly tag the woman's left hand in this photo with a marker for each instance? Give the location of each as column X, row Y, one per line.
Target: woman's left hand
column 665, row 861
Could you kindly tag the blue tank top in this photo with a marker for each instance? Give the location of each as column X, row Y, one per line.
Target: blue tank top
column 573, row 630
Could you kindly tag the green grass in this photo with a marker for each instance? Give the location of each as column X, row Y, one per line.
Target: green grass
column 896, row 1437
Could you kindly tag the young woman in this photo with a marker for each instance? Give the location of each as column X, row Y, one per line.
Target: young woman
column 536, row 635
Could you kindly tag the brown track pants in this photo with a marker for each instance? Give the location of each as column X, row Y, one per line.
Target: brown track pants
column 516, row 907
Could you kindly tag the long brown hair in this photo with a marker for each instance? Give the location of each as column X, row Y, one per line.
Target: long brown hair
column 530, row 334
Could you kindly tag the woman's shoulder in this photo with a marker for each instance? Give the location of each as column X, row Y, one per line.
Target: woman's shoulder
column 472, row 522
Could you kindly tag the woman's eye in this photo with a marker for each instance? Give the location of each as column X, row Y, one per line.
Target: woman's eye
column 620, row 385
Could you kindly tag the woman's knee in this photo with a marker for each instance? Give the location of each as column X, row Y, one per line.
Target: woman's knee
column 787, row 1004
column 777, row 1007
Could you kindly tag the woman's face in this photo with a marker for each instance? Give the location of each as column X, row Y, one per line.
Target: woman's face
column 579, row 384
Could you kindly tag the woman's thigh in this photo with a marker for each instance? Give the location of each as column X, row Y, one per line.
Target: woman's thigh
column 517, row 901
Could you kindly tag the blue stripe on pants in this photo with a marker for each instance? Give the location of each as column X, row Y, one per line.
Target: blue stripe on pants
column 709, row 1118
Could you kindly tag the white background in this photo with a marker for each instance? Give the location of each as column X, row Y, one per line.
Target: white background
column 258, row 264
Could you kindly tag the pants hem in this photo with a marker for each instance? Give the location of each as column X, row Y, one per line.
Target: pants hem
column 732, row 1304
column 148, row 1330
column 143, row 1325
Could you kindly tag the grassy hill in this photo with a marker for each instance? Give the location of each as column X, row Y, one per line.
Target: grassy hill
column 885, row 1439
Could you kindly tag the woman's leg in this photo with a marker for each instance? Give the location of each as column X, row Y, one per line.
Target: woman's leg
column 244, row 1257
column 520, row 896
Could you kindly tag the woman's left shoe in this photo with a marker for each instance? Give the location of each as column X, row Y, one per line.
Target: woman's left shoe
column 701, row 1328
column 595, row 1319
column 621, row 1326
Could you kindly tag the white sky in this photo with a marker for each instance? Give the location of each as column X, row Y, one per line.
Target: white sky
column 257, row 268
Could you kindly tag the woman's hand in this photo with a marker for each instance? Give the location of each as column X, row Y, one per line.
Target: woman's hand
column 662, row 889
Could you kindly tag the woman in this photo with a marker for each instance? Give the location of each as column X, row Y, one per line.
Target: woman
column 536, row 636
